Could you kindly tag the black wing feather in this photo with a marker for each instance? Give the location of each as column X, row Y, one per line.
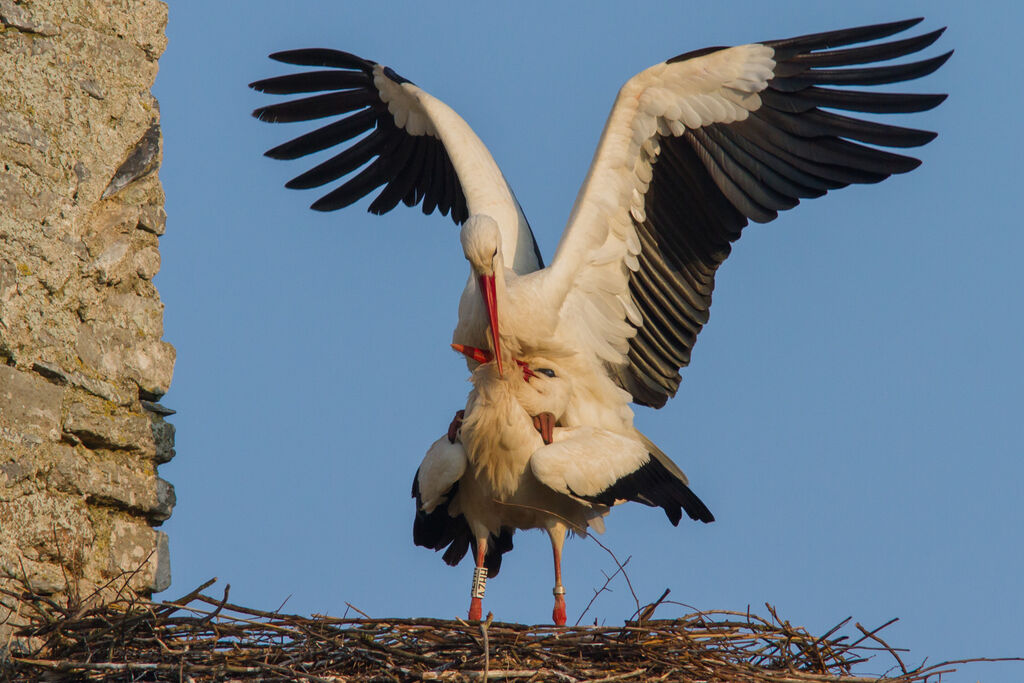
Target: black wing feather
column 708, row 183
column 652, row 484
column 845, row 36
column 412, row 168
column 319, row 56
column 439, row 530
column 316, row 107
column 870, row 53
column 312, row 81
column 325, row 137
column 877, row 75
column 341, row 164
column 401, row 182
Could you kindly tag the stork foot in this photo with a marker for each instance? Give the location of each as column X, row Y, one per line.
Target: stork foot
column 545, row 424
column 558, row 614
column 476, row 609
column 456, row 425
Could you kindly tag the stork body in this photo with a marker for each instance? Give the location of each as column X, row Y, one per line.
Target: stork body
column 500, row 475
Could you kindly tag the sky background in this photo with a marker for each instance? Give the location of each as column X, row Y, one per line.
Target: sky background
column 852, row 414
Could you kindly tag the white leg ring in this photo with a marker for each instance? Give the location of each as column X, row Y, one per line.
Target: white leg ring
column 558, row 590
column 479, row 582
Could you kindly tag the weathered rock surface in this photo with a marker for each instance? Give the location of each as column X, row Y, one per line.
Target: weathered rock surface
column 81, row 354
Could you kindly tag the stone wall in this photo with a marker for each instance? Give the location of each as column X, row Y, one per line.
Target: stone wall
column 82, row 362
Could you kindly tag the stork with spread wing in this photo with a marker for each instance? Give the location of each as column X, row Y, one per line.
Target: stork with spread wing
column 693, row 149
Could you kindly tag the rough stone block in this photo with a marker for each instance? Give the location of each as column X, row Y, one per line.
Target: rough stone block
column 147, row 262
column 29, row 405
column 20, row 197
column 110, row 482
column 111, row 265
column 163, row 437
column 141, row 315
column 151, row 366
column 46, row 528
column 101, row 426
column 134, row 545
column 96, row 387
column 165, row 499
column 13, row 473
column 113, row 352
column 153, row 219
column 44, row 578
column 21, row 19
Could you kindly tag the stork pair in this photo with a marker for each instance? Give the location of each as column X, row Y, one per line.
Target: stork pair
column 693, row 148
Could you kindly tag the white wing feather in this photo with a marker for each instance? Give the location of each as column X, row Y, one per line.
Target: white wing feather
column 584, row 461
column 600, row 243
column 483, row 184
column 442, row 466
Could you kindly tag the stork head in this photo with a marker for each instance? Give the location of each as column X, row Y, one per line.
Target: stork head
column 547, row 390
column 481, row 243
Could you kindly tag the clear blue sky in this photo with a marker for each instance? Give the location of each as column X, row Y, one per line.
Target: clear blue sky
column 852, row 414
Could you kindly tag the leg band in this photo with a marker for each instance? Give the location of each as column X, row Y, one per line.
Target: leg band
column 558, row 590
column 479, row 582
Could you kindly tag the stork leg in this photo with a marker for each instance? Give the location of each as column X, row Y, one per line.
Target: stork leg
column 557, row 534
column 476, row 605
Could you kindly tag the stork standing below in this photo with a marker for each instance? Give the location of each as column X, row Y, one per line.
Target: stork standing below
column 693, row 149
column 503, row 474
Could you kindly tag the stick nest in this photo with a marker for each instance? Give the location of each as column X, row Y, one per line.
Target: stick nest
column 202, row 638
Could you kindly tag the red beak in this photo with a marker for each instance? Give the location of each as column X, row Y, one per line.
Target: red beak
column 485, row 356
column 487, row 289
column 479, row 355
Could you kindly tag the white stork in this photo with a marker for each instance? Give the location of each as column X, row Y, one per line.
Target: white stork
column 504, row 474
column 693, row 148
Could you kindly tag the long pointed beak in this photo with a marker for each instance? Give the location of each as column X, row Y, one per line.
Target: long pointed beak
column 487, row 289
column 473, row 353
column 485, row 356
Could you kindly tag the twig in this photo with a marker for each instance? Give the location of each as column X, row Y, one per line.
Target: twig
column 873, row 636
column 648, row 611
column 487, row 643
column 356, row 609
column 621, row 566
column 608, row 580
column 173, row 605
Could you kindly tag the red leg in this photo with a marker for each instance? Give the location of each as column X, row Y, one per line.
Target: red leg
column 557, row 538
column 476, row 605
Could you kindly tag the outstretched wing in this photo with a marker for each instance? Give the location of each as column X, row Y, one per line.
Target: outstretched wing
column 695, row 147
column 413, row 145
column 599, row 466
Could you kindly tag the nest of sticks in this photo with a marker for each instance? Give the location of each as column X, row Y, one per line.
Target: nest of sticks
column 203, row 638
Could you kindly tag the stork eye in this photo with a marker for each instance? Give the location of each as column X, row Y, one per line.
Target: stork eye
column 546, row 371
